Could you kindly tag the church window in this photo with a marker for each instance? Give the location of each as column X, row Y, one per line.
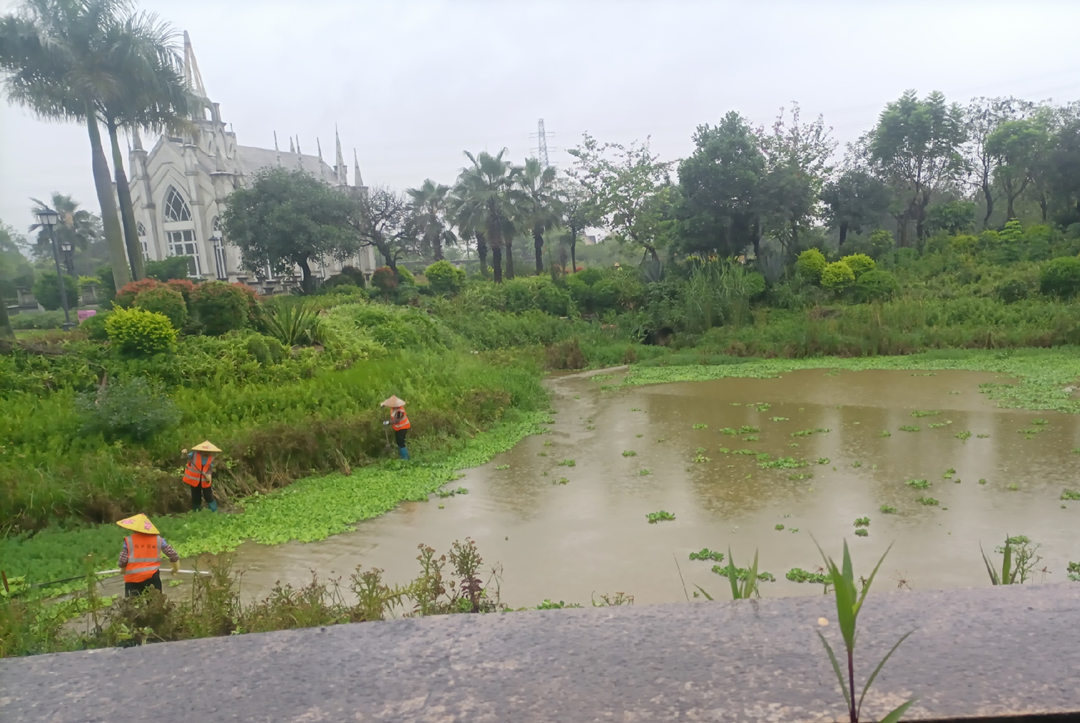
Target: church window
column 176, row 209
column 182, row 243
column 219, row 251
column 142, row 239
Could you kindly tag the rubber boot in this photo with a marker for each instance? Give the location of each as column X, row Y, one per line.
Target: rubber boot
column 403, row 453
column 213, row 505
column 196, row 506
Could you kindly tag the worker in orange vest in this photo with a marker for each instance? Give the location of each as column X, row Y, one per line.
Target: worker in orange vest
column 140, row 557
column 399, row 422
column 199, row 474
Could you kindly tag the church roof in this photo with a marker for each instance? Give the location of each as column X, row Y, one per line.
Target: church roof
column 254, row 159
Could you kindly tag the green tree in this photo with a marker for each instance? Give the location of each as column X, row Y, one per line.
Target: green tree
column 1017, row 147
column 539, row 211
column 1060, row 171
column 578, row 212
column 720, row 184
column 382, row 219
column 59, row 60
column 622, row 184
column 915, row 146
column 982, row 117
column 854, row 200
column 78, row 228
column 288, row 219
column 484, row 202
column 429, row 207
column 15, row 271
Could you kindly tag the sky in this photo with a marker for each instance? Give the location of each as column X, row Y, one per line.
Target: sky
column 411, row 84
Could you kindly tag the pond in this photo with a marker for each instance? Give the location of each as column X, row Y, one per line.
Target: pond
column 751, row 464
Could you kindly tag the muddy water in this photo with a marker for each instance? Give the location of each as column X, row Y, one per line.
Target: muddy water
column 644, row 449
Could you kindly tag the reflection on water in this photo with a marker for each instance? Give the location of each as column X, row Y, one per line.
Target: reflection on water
column 678, row 447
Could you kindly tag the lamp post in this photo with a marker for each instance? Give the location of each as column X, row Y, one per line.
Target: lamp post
column 48, row 218
column 66, row 249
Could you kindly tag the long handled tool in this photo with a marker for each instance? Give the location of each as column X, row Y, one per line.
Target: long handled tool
column 108, row 573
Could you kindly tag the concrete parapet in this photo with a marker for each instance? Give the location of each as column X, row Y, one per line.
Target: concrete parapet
column 986, row 654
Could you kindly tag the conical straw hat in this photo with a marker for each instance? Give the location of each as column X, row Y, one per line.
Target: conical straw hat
column 206, row 446
column 139, row 523
column 392, row 401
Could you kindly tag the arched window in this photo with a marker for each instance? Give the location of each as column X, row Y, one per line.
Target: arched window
column 180, row 231
column 141, row 230
column 219, row 250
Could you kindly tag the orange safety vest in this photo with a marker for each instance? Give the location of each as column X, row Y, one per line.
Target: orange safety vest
column 198, row 469
column 144, row 557
column 400, row 420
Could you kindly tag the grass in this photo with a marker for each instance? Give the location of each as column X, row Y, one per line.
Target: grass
column 659, row 516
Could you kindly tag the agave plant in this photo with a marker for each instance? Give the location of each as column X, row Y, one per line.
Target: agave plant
column 292, row 321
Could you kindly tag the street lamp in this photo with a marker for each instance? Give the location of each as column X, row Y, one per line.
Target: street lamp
column 49, row 218
column 66, row 249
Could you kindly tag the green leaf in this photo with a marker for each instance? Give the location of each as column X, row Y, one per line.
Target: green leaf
column 894, row 715
column 870, row 680
column 836, row 668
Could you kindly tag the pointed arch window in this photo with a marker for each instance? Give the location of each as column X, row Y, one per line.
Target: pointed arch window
column 220, row 260
column 180, row 231
column 141, row 230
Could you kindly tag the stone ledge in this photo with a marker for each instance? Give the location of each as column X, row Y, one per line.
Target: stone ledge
column 988, row 653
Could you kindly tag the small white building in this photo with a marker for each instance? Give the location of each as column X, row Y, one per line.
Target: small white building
column 178, row 190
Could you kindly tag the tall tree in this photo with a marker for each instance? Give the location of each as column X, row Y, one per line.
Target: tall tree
column 287, row 219
column 382, row 219
column 916, row 147
column 1058, row 174
column 982, row 116
column 854, row 200
column 59, row 59
column 429, row 204
column 577, row 213
column 485, row 198
column 153, row 96
column 539, row 210
column 721, row 183
column 15, row 272
column 77, row 228
column 621, row 183
column 797, row 163
column 1017, row 147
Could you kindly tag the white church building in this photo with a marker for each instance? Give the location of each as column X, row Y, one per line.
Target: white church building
column 179, row 187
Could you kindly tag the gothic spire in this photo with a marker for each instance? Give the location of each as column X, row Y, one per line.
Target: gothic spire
column 339, row 161
column 319, row 146
column 357, row 180
column 191, row 69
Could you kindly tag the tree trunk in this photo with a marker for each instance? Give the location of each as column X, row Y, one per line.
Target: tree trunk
column 496, row 263
column 538, row 246
column 306, row 282
column 1043, row 206
column 127, row 210
column 509, row 244
column 843, row 234
column 110, row 221
column 482, row 252
column 989, row 202
column 573, row 250
column 436, row 246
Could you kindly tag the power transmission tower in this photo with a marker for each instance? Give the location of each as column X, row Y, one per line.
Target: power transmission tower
column 541, row 142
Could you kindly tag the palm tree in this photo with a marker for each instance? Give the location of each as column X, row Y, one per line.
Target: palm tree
column 87, row 60
column 155, row 98
column 486, row 203
column 540, row 207
column 79, row 228
column 429, row 206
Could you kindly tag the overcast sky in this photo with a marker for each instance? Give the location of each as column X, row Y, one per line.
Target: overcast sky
column 412, row 84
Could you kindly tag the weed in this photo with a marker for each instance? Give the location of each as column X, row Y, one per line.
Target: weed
column 1019, row 555
column 707, row 554
column 909, row 428
column 1073, row 571
column 567, row 463
column 919, row 484
column 629, row 453
column 862, row 521
column 1012, row 487
column 799, row 476
column 644, row 472
column 887, row 510
column 1068, row 494
column 700, row 458
column 700, row 425
column 862, row 532
column 808, row 432
column 797, row 574
column 928, row 501
column 606, row 600
column 949, row 473
column 884, row 433
column 823, row 460
column 779, row 526
column 982, row 480
column 849, row 601
column 659, row 516
column 502, row 466
column 925, row 413
column 856, row 464
column 549, row 605
column 963, row 436
column 779, row 419
column 561, row 481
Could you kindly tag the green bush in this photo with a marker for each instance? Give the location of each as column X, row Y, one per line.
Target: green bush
column 125, row 295
column 1013, row 289
column 134, row 410
column 186, row 287
column 445, row 278
column 348, row 276
column 94, row 326
column 37, row 320
column 137, row 332
column 1061, row 277
column 166, row 301
column 811, row 265
column 859, row 264
column 265, row 349
column 47, row 291
column 173, row 267
column 876, row 285
column 385, row 280
column 221, row 307
column 837, row 276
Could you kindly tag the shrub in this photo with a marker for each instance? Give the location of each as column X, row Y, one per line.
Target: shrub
column 125, row 296
column 265, row 349
column 108, row 286
column 385, row 280
column 405, row 277
column 1013, row 289
column 134, row 410
column 876, row 285
column 348, row 276
column 222, row 307
column 137, row 332
column 811, row 265
column 166, row 301
column 173, row 267
column 837, row 276
column 186, row 287
column 37, row 320
column 859, row 264
column 1061, row 277
column 95, row 326
column 47, row 291
column 444, row 277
